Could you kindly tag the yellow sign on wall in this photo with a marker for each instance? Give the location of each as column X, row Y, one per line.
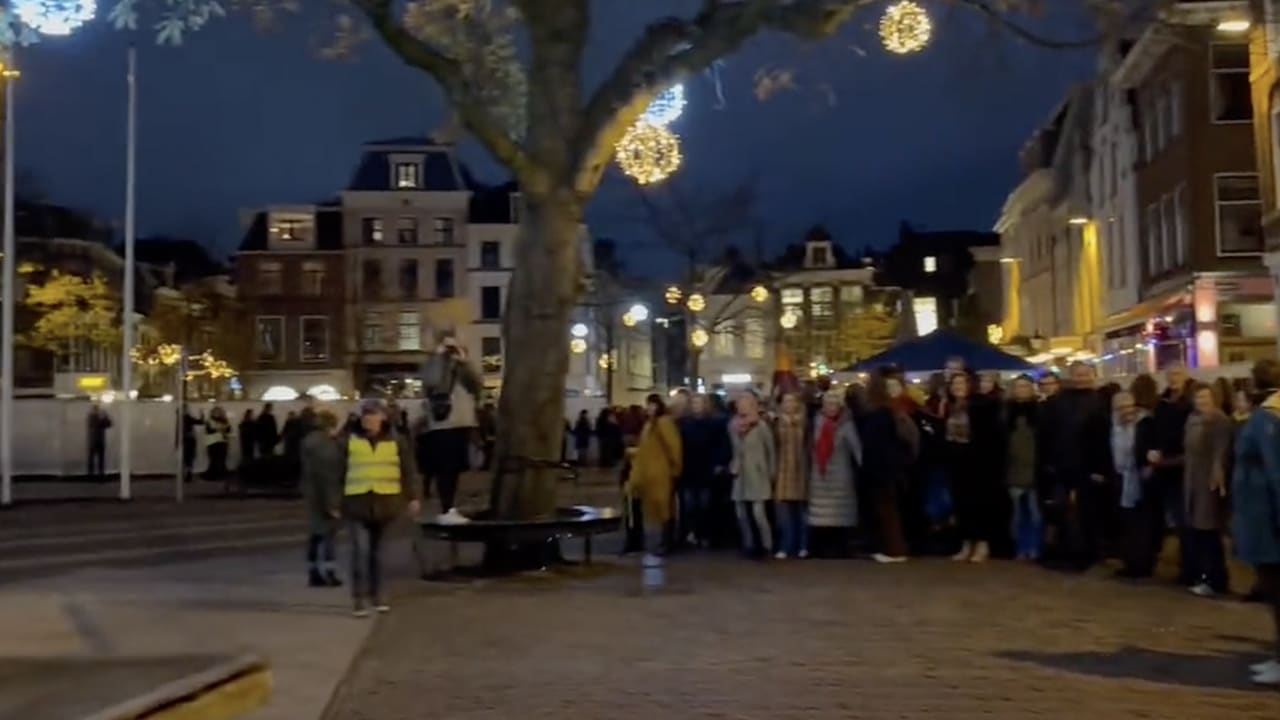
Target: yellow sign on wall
column 90, row 383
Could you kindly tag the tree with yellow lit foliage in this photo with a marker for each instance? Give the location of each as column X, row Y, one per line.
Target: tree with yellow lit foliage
column 515, row 74
column 68, row 311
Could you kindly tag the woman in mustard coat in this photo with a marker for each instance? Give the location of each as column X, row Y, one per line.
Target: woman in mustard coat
column 655, row 464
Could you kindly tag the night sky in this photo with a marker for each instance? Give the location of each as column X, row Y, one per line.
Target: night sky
column 236, row 118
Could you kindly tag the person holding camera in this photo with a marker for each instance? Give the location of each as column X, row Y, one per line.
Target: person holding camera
column 452, row 387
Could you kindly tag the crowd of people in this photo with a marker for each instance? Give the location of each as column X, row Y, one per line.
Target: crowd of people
column 1057, row 471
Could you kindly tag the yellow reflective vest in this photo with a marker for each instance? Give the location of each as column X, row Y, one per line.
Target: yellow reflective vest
column 372, row 468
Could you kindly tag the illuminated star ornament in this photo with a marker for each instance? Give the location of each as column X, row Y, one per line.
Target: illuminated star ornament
column 905, row 28
column 54, row 17
column 650, row 152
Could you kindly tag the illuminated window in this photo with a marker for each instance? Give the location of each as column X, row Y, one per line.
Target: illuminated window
column 408, row 175
column 407, row 231
column 753, row 338
column 269, row 338
column 792, row 296
column 409, row 331
column 926, row 311
column 491, row 354
column 371, row 230
column 442, row 228
column 930, row 264
column 820, row 302
column 724, row 344
column 372, row 330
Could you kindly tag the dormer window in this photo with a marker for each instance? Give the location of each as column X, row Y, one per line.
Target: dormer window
column 408, row 176
column 819, row 255
column 930, row 264
column 291, row 227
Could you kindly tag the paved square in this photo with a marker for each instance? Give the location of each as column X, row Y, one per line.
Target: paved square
column 812, row 640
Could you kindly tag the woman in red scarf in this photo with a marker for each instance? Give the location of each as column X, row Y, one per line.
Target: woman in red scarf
column 833, row 503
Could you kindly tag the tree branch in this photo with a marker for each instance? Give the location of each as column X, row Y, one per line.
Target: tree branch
column 557, row 31
column 448, row 73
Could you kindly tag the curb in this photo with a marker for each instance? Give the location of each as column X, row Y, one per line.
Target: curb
column 224, row 691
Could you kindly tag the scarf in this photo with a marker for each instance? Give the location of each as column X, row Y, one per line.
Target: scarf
column 825, row 446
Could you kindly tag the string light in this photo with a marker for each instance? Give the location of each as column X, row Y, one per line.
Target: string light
column 54, row 17
column 673, row 295
column 648, row 153
column 905, row 28
column 578, row 346
column 629, row 319
column 790, row 318
column 699, row 337
column 666, row 108
column 759, row 293
column 697, row 303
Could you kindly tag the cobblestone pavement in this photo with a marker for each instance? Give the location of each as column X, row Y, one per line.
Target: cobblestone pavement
column 812, row 640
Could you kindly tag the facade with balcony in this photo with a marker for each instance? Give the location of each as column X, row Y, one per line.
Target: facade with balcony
column 290, row 279
column 1204, row 295
column 1264, row 56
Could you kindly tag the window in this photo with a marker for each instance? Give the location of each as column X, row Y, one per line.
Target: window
column 408, row 331
column 925, row 310
column 1229, row 91
column 315, row 338
column 371, row 230
column 490, row 255
column 1169, row 228
column 723, row 342
column 792, row 296
column 407, row 231
column 444, row 278
column 409, row 279
column 371, row 279
column 289, row 230
column 313, row 278
column 270, row 278
column 820, row 299
column 372, row 330
column 852, row 294
column 753, row 338
column 1181, row 226
column 443, row 229
column 491, row 303
column 820, row 255
column 408, row 175
column 491, row 354
column 1151, row 234
column 1239, row 214
column 930, row 264
column 268, row 338
column 517, row 205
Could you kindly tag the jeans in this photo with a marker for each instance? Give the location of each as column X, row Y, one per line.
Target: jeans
column 97, row 462
column 366, row 561
column 1028, row 527
column 321, row 556
column 747, row 511
column 1206, row 558
column 694, row 503
column 794, row 526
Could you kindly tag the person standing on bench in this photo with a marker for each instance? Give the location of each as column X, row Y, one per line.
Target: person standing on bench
column 452, row 387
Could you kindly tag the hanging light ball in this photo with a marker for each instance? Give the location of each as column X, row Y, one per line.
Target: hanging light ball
column 697, row 303
column 759, row 293
column 699, row 338
column 629, row 319
column 648, row 153
column 604, row 362
column 905, row 28
column 54, row 17
column 673, row 295
column 579, row 330
column 790, row 318
column 666, row 108
column 578, row 346
column 639, row 311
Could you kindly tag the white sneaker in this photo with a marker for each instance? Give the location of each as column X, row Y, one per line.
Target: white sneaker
column 360, row 612
column 981, row 551
column 1201, row 589
column 966, row 551
column 1264, row 666
column 804, row 554
column 888, row 559
column 651, row 561
column 453, row 517
column 1269, row 676
column 779, row 555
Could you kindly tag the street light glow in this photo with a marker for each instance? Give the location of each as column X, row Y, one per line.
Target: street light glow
column 639, row 311
column 1078, row 220
column 1234, row 25
column 579, row 330
column 54, row 17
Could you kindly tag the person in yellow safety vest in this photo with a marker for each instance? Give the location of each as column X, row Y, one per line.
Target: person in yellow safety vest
column 379, row 483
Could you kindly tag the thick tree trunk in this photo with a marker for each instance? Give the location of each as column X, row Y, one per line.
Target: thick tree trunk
column 544, row 289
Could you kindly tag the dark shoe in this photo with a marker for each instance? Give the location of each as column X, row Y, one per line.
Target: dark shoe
column 332, row 580
column 315, row 579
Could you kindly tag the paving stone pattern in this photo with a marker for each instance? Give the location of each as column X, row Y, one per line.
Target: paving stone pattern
column 811, row 640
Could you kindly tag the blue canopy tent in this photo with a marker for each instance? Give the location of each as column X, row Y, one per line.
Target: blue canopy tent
column 931, row 352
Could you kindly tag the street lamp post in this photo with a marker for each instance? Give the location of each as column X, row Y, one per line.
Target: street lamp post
column 126, row 345
column 7, row 75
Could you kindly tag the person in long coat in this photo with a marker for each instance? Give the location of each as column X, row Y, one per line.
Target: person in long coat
column 1255, row 491
column 656, row 462
column 1204, row 486
column 790, row 487
column 322, row 466
column 755, row 462
column 836, row 455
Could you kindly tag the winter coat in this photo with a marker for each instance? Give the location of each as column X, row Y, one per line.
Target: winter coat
column 755, row 462
column 1255, row 486
column 833, row 502
column 1021, row 466
column 267, row 433
column 702, row 440
column 1074, row 438
column 322, row 470
column 381, row 509
column 792, row 479
column 886, row 453
column 655, row 465
column 1208, row 440
column 1170, row 423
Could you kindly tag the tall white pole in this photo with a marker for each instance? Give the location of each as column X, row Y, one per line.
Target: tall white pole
column 6, row 353
column 126, row 340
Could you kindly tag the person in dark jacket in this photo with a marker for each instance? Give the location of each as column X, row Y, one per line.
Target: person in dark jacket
column 1074, row 460
column 248, row 439
column 1167, row 457
column 890, row 442
column 267, row 432
column 1022, row 468
column 1141, row 506
column 321, row 479
column 582, row 438
column 701, row 437
column 973, row 442
column 98, row 424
